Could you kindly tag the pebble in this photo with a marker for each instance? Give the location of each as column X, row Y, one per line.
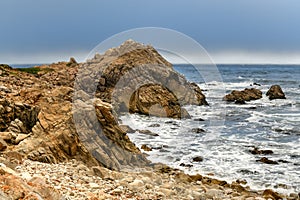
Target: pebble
column 64, row 177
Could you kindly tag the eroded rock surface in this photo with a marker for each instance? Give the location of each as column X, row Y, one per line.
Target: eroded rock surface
column 244, row 95
column 135, row 78
column 275, row 92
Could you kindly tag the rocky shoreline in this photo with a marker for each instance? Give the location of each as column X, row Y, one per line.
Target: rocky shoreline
column 59, row 137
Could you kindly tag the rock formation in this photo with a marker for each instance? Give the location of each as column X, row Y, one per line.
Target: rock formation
column 275, row 92
column 135, row 78
column 38, row 107
column 244, row 95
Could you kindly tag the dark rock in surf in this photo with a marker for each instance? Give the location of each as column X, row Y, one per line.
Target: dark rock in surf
column 154, row 125
column 275, row 92
column 256, row 151
column 267, row 161
column 198, row 159
column 240, row 101
column 185, row 165
column 198, row 130
column 244, row 95
column 199, row 120
column 146, row 147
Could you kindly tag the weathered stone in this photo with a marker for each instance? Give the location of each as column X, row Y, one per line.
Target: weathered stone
column 3, row 144
column 6, row 136
column 275, row 92
column 244, row 95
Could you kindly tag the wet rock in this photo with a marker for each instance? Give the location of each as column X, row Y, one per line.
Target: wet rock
column 199, row 120
column 275, row 92
column 197, row 130
column 146, row 147
column 198, row 159
column 147, row 132
column 267, row 161
column 244, row 95
column 241, row 181
column 257, row 151
column 154, row 125
column 239, row 101
column 185, row 165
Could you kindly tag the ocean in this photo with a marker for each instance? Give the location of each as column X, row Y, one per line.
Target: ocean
column 268, row 125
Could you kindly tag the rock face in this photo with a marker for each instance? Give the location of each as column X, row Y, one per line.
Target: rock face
column 275, row 92
column 244, row 95
column 135, row 78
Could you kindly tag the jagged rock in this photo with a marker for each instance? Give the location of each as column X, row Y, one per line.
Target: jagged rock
column 135, row 78
column 244, row 95
column 275, row 92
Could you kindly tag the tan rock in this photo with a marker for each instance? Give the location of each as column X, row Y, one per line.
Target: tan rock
column 3, row 145
column 6, row 136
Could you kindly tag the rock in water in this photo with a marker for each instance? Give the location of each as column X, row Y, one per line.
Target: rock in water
column 244, row 95
column 275, row 92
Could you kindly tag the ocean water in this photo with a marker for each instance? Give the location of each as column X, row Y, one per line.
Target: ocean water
column 225, row 145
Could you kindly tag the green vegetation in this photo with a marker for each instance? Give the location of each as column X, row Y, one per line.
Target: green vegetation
column 31, row 70
column 34, row 70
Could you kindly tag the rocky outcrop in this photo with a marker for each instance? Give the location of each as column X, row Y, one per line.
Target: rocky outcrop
column 275, row 92
column 135, row 78
column 156, row 100
column 244, row 95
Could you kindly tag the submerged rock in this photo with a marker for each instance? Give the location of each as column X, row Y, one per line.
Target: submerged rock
column 267, row 161
column 275, row 92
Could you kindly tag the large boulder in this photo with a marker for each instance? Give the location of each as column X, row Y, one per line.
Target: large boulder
column 155, row 100
column 275, row 92
column 244, row 95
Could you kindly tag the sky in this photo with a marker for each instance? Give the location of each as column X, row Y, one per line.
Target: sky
column 231, row 31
